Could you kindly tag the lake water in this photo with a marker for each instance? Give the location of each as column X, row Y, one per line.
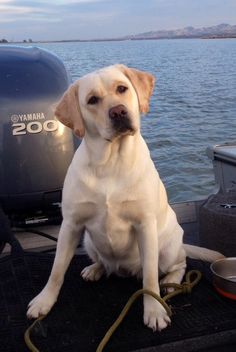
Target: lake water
column 193, row 106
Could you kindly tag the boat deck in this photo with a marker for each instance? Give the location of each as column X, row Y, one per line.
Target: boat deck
column 201, row 321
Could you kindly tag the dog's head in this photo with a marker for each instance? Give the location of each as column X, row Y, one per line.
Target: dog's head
column 107, row 102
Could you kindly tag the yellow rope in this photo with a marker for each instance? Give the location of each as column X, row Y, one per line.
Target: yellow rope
column 184, row 288
column 28, row 342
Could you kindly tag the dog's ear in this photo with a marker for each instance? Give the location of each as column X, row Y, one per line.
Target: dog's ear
column 143, row 84
column 68, row 110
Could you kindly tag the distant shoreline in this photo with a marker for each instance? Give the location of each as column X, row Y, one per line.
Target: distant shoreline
column 220, row 31
column 114, row 40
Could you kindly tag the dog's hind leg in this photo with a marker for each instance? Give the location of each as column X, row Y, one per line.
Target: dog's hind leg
column 173, row 260
column 94, row 271
column 175, row 275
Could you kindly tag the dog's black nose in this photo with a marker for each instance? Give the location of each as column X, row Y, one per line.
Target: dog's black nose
column 120, row 119
column 118, row 112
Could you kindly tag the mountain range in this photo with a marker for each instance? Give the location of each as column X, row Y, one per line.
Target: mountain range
column 220, row 31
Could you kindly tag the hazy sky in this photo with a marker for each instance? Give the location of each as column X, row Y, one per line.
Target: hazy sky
column 86, row 19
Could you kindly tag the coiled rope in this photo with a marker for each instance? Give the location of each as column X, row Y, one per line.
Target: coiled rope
column 184, row 288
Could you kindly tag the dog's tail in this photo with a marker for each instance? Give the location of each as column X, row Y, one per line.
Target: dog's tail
column 201, row 253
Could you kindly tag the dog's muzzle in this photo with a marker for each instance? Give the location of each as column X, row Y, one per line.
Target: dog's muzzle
column 120, row 119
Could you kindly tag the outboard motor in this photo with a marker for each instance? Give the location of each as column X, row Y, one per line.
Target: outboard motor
column 35, row 148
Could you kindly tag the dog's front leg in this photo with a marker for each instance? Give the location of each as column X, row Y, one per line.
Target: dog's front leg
column 68, row 240
column 155, row 315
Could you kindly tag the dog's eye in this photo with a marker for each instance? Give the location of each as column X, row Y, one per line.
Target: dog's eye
column 93, row 100
column 121, row 89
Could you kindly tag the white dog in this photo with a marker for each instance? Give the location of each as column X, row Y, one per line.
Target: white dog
column 113, row 192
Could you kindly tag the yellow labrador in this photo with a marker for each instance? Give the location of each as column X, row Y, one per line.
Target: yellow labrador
column 113, row 192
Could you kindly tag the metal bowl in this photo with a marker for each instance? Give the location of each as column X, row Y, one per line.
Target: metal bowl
column 224, row 276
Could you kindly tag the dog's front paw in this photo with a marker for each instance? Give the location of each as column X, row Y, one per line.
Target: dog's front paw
column 155, row 315
column 93, row 272
column 41, row 304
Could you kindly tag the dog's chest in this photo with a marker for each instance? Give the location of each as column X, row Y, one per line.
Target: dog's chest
column 112, row 219
column 111, row 212
column 109, row 230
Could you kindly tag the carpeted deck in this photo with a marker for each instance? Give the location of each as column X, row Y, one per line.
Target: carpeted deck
column 202, row 321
